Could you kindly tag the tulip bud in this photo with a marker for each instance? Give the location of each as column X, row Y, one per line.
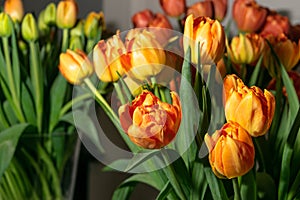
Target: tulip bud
column 203, row 8
column 50, row 14
column 149, row 122
column 6, row 27
column 75, row 66
column 44, row 29
column 173, row 8
column 92, row 24
column 77, row 30
column 14, row 8
column 248, row 15
column 29, row 28
column 249, row 107
column 231, row 151
column 206, row 33
column 220, row 9
column 76, row 43
column 66, row 14
column 245, row 49
column 142, row 19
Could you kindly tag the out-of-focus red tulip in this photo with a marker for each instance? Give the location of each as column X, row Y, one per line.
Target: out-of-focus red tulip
column 149, row 122
column 173, row 8
column 204, row 8
column 275, row 25
column 220, row 8
column 248, row 15
column 142, row 19
column 294, row 33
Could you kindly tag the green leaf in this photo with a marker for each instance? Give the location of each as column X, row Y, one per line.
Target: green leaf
column 27, row 105
column 255, row 73
column 7, row 107
column 139, row 158
column 58, row 88
column 8, row 141
column 248, row 186
column 164, row 192
column 123, row 192
column 216, row 186
column 199, row 183
column 266, row 188
column 295, row 187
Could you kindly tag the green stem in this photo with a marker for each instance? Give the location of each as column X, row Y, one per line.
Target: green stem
column 260, row 154
column 236, row 188
column 119, row 93
column 90, row 45
column 11, row 82
column 37, row 82
column 74, row 101
column 65, row 40
column 244, row 72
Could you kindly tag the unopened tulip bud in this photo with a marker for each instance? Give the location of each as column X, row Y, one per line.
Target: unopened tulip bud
column 44, row 29
column 203, row 8
column 76, row 43
column 29, row 28
column 14, row 8
column 220, row 9
column 173, row 8
column 92, row 25
column 251, row 108
column 149, row 122
column 142, row 19
column 75, row 66
column 50, row 14
column 77, row 30
column 231, row 151
column 6, row 27
column 66, row 14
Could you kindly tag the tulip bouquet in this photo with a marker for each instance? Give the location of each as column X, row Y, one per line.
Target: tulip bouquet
column 204, row 115
column 37, row 135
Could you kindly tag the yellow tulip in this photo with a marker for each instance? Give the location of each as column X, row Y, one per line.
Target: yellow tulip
column 75, row 66
column 93, row 22
column 6, row 27
column 206, row 33
column 150, row 123
column 249, row 107
column 29, row 28
column 231, row 151
column 14, row 8
column 66, row 14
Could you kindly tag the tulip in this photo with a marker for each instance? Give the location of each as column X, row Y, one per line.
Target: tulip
column 109, row 59
column 245, row 49
column 173, row 8
column 43, row 28
column 220, row 9
column 248, row 15
column 66, row 14
column 275, row 25
column 92, row 24
column 287, row 51
column 75, row 66
column 146, row 56
column 161, row 28
column 14, row 8
column 294, row 33
column 206, row 33
column 6, row 27
column 149, row 122
column 50, row 14
column 231, row 151
column 29, row 28
column 142, row 19
column 204, row 8
column 249, row 107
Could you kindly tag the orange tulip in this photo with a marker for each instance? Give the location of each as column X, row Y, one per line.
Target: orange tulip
column 248, row 15
column 150, row 123
column 249, row 107
column 75, row 66
column 173, row 8
column 287, row 51
column 108, row 59
column 66, row 14
column 199, row 9
column 14, row 8
column 231, row 151
column 245, row 49
column 211, row 36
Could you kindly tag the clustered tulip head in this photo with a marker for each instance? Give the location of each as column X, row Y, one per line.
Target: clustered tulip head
column 149, row 122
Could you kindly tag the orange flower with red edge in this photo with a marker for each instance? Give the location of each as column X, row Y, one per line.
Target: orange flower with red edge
column 149, row 122
column 231, row 151
column 249, row 107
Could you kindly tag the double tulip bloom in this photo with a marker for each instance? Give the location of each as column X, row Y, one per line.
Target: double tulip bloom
column 205, row 37
column 231, row 151
column 75, row 66
column 149, row 122
column 245, row 49
column 140, row 56
column 249, row 107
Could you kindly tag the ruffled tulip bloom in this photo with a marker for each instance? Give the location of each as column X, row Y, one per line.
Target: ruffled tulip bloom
column 249, row 107
column 248, row 15
column 211, row 36
column 173, row 8
column 108, row 58
column 245, row 49
column 287, row 51
column 220, row 9
column 75, row 66
column 66, row 14
column 149, row 122
column 231, row 151
column 275, row 25
column 203, row 8
column 14, row 8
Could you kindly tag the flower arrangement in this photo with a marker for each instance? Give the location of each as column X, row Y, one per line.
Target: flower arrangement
column 204, row 115
column 38, row 140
